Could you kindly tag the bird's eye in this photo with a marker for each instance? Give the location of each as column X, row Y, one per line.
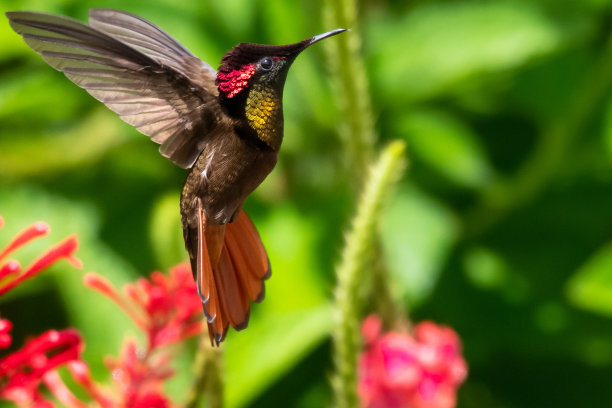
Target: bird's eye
column 266, row 63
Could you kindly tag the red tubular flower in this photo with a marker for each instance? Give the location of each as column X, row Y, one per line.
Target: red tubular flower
column 152, row 400
column 399, row 370
column 139, row 377
column 81, row 374
column 11, row 274
column 43, row 404
column 54, row 382
column 5, row 333
column 32, row 232
column 167, row 308
column 22, row 372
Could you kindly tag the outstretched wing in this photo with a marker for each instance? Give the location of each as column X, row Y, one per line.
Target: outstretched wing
column 135, row 69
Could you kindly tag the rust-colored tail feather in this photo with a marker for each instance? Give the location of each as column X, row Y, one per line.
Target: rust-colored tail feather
column 229, row 275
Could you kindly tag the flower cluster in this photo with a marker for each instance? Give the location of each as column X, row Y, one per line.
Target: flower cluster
column 401, row 370
column 166, row 308
column 22, row 372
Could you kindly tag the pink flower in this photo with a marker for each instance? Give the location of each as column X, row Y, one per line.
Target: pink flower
column 400, row 370
column 167, row 308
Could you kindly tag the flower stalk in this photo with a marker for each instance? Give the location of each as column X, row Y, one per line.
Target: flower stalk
column 357, row 128
column 206, row 376
column 357, row 257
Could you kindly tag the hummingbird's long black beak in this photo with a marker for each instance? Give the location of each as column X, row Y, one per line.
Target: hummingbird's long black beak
column 297, row 48
column 320, row 37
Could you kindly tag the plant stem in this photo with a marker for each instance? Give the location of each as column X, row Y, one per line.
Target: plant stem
column 382, row 297
column 357, row 255
column 215, row 381
column 357, row 126
column 206, row 376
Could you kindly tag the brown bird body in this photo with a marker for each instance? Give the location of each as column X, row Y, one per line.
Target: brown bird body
column 225, row 126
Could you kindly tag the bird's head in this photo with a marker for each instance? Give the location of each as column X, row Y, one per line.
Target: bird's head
column 251, row 79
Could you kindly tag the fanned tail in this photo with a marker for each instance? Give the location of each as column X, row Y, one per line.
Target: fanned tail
column 237, row 278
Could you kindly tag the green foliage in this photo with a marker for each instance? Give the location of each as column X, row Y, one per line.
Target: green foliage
column 445, row 44
column 591, row 286
column 484, row 268
column 166, row 231
column 502, row 229
column 417, row 233
column 447, row 146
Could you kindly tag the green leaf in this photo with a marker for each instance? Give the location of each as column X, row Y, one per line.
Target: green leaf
column 274, row 343
column 484, row 268
column 31, row 93
column 61, row 149
column 291, row 240
column 424, row 52
column 417, row 233
column 166, row 232
column 488, row 270
column 447, row 145
column 280, row 24
column 235, row 15
column 590, row 287
column 607, row 132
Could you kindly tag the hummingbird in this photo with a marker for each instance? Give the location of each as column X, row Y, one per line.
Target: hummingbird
column 225, row 126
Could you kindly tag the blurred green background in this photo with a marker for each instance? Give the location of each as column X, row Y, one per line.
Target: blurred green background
column 502, row 227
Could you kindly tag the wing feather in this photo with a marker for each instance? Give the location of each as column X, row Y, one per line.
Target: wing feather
column 134, row 68
column 143, row 36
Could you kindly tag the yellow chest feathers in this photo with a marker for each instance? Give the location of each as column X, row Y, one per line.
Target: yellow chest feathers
column 264, row 113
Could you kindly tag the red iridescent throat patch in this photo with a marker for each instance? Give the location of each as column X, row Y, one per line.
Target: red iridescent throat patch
column 231, row 83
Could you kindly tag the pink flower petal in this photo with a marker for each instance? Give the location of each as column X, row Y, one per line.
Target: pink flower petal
column 370, row 328
column 399, row 370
